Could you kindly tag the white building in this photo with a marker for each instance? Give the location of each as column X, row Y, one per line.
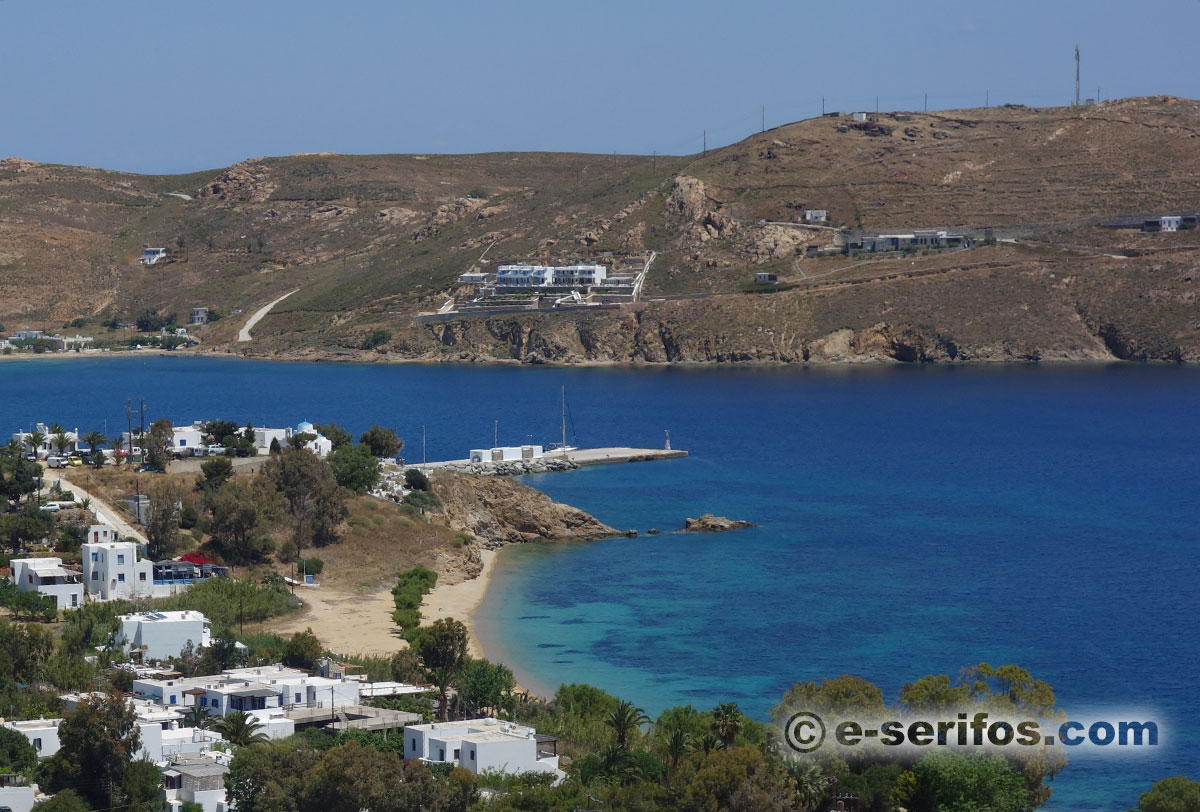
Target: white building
column 159, row 635
column 17, row 796
column 112, row 569
column 1169, row 222
column 152, row 255
column 483, row 744
column 196, row 780
column 320, row 445
column 507, row 453
column 263, row 438
column 265, row 691
column 579, row 276
column 41, row 733
column 816, row 215
column 199, row 315
column 473, row 278
column 541, row 276
column 47, row 577
column 47, row 446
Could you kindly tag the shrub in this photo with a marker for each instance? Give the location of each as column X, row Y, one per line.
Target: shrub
column 311, row 566
column 410, row 589
column 227, row 602
column 425, row 500
column 376, row 338
column 416, row 480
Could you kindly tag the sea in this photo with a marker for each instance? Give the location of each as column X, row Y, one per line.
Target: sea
column 910, row 520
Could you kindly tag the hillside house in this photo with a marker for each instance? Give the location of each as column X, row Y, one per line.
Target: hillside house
column 159, row 635
column 816, row 216
column 47, row 577
column 41, row 733
column 48, row 445
column 766, row 279
column 196, row 780
column 151, row 255
column 199, row 315
column 112, row 569
column 480, row 745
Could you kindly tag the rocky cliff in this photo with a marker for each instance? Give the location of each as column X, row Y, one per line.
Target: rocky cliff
column 499, row 511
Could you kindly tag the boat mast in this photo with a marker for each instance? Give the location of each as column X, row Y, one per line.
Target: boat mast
column 564, row 421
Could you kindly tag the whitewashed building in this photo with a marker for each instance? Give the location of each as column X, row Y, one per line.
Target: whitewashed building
column 159, row 635
column 196, row 780
column 18, row 796
column 112, row 569
column 47, row 447
column 319, row 445
column 152, row 255
column 263, row 690
column 480, row 745
column 510, row 453
column 41, row 733
column 47, row 577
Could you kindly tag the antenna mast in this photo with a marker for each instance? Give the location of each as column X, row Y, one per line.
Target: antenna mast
column 564, row 421
column 1077, row 76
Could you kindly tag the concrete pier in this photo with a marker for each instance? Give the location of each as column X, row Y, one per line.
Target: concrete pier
column 559, row 460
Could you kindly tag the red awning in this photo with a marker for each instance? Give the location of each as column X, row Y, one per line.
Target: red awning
column 194, row 558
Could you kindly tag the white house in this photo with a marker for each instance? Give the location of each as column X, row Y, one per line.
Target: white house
column 473, row 278
column 320, row 445
column 152, row 255
column 816, row 215
column 507, row 453
column 18, row 796
column 47, row 577
column 540, row 276
column 47, row 446
column 483, row 744
column 163, row 634
column 1169, row 222
column 41, row 733
column 579, row 276
column 196, row 780
column 112, row 569
column 263, row 438
column 262, row 690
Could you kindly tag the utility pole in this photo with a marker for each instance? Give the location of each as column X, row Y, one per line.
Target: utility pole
column 654, row 163
column 764, row 118
column 926, row 102
column 987, row 98
column 705, row 142
column 877, row 105
column 1077, row 76
column 495, row 434
column 822, row 105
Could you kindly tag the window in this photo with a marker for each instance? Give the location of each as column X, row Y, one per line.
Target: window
column 472, row 756
column 120, row 558
column 414, row 744
column 29, row 578
column 457, row 753
column 441, row 754
column 141, row 576
column 216, row 702
column 74, row 599
column 95, row 556
column 172, row 702
column 182, row 443
column 297, row 697
column 121, row 577
column 95, row 575
column 204, row 701
column 37, row 745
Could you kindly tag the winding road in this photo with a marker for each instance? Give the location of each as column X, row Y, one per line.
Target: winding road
column 244, row 333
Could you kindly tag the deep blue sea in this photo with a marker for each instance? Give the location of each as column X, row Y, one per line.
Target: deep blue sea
column 912, row 520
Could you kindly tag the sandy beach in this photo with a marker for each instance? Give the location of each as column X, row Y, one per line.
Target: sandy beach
column 460, row 601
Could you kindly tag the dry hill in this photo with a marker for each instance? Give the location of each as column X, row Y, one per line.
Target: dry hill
column 370, row 240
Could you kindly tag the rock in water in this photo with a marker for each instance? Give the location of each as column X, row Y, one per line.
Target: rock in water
column 709, row 523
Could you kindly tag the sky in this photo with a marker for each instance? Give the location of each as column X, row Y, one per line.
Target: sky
column 162, row 87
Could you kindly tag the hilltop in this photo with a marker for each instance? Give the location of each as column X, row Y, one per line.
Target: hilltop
column 369, row 241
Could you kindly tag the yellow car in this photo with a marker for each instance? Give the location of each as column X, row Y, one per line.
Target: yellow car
column 74, row 461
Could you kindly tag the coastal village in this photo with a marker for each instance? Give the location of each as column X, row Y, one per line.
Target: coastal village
column 190, row 715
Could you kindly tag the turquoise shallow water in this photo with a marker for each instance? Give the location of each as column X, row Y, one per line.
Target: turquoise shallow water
column 911, row 520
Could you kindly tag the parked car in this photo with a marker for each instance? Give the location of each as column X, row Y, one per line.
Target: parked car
column 215, row 450
column 56, row 462
column 150, row 469
column 51, row 507
column 74, row 461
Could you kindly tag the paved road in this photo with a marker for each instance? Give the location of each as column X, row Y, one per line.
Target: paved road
column 244, row 333
column 104, row 511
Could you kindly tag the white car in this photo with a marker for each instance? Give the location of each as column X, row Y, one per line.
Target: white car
column 56, row 462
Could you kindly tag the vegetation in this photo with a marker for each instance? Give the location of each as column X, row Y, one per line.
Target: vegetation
column 354, row 467
column 376, row 338
column 383, row 442
column 229, row 602
column 410, row 590
column 1175, row 794
column 315, row 501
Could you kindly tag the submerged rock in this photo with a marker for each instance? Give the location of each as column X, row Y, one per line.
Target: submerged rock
column 709, row 523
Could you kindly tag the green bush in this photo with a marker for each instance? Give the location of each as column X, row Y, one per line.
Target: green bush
column 227, row 602
column 310, row 566
column 410, row 589
column 416, row 480
column 425, row 500
column 376, row 338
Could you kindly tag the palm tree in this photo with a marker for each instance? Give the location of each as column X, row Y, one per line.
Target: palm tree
column 811, row 785
column 36, row 438
column 59, row 438
column 677, row 744
column 241, row 729
column 93, row 439
column 727, row 723
column 708, row 742
column 625, row 719
column 196, row 716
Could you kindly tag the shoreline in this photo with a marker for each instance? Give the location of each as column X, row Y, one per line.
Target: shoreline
column 459, row 601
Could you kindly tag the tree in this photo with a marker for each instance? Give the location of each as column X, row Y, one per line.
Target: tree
column 727, row 722
column 268, row 778
column 624, row 719
column 314, row 501
column 29, row 525
column 162, row 526
column 953, row 782
column 196, row 716
column 16, row 753
column 95, row 439
column 59, row 438
column 375, row 338
column 354, row 467
column 241, row 729
column 97, row 741
column 406, row 667
column 36, row 439
column 65, row 800
column 483, row 686
column 302, row 650
column 1175, row 794
column 335, row 434
column 676, row 743
column 241, row 511
column 158, row 442
column 215, row 473
column 382, row 441
column 275, row 447
column 443, row 648
column 141, row 787
column 149, row 321
column 416, row 480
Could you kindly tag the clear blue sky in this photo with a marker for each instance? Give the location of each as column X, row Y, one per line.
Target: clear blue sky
column 167, row 86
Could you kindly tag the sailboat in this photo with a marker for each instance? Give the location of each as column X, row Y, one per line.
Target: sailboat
column 562, row 447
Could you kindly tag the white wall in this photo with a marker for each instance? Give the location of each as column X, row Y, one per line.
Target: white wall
column 18, row 799
column 112, row 570
column 43, row 732
column 165, row 637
